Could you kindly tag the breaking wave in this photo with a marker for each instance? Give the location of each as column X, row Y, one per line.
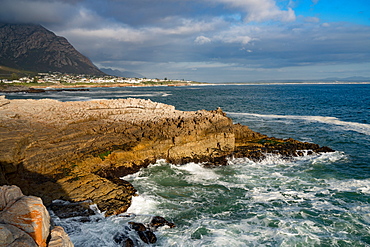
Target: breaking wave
column 353, row 126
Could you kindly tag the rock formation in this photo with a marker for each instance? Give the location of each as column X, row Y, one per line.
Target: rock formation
column 144, row 232
column 24, row 221
column 34, row 48
column 78, row 150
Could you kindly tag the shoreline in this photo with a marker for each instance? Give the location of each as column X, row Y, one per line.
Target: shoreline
column 24, row 88
column 78, row 150
column 34, row 88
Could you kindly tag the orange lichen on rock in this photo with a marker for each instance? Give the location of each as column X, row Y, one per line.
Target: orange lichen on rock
column 24, row 220
column 30, row 215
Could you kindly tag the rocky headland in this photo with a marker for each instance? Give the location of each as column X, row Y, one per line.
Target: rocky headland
column 77, row 151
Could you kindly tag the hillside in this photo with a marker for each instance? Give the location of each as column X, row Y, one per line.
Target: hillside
column 31, row 47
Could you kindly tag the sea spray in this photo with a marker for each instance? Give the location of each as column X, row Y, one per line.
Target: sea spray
column 275, row 202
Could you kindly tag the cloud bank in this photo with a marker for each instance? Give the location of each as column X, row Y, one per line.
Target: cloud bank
column 204, row 40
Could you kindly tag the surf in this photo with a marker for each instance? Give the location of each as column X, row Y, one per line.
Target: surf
column 345, row 125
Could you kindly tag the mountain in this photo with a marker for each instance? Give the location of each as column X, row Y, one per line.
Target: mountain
column 34, row 48
column 11, row 73
column 116, row 72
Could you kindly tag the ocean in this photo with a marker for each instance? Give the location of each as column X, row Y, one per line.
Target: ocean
column 318, row 200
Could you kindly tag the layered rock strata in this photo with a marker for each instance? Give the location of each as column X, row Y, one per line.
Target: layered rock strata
column 77, row 151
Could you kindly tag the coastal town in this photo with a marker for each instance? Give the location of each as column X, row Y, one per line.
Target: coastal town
column 62, row 78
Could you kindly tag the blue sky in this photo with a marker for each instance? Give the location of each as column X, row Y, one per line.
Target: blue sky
column 336, row 11
column 211, row 40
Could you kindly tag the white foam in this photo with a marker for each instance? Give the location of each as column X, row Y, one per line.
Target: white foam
column 326, row 158
column 142, row 205
column 353, row 126
column 198, row 173
column 277, row 196
column 272, row 160
column 350, row 185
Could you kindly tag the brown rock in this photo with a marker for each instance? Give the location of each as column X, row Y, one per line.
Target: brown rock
column 68, row 210
column 76, row 150
column 147, row 237
column 123, row 240
column 158, row 221
column 137, row 226
column 59, row 238
column 8, row 195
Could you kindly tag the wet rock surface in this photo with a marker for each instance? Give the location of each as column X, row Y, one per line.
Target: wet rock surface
column 143, row 233
column 68, row 210
column 288, row 148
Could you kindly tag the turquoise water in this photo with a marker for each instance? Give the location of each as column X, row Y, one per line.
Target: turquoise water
column 321, row 200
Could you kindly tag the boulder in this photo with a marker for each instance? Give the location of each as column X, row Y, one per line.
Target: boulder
column 158, row 221
column 24, row 221
column 12, row 236
column 139, row 227
column 59, row 238
column 8, row 195
column 147, row 237
column 123, row 240
column 30, row 215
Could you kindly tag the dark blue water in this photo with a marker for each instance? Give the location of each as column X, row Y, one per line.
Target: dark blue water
column 319, row 200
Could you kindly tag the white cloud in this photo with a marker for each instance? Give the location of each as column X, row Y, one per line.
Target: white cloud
column 160, row 32
column 182, row 26
column 201, row 40
column 237, row 39
column 241, row 34
column 261, row 10
column 122, row 34
column 79, row 29
column 312, row 19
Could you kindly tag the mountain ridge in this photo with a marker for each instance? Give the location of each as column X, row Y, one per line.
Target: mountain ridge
column 34, row 48
column 119, row 73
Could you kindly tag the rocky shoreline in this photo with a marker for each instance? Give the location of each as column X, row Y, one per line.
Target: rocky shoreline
column 77, row 151
column 25, row 89
column 10, row 88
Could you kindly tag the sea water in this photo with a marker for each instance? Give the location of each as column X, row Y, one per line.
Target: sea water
column 314, row 200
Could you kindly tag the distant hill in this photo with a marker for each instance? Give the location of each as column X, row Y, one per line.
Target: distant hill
column 328, row 80
column 11, row 73
column 116, row 72
column 31, row 47
column 349, row 79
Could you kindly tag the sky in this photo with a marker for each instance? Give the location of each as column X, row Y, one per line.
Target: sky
column 211, row 40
